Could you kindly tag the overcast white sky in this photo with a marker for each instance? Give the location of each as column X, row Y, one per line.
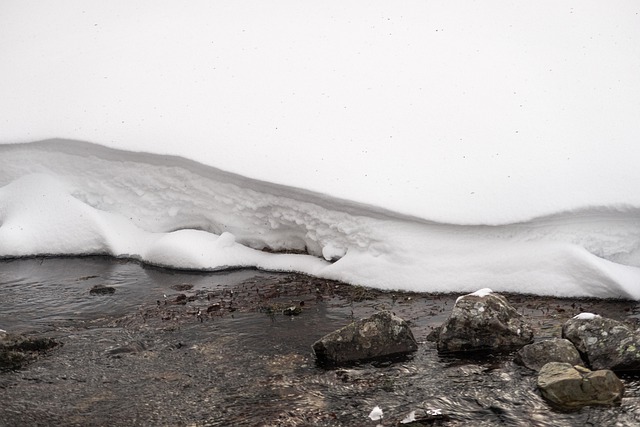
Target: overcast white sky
column 450, row 110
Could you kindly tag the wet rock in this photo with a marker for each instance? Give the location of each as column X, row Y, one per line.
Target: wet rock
column 180, row 299
column 214, row 307
column 535, row 356
column 605, row 343
column 574, row 386
column 434, row 334
column 423, row 417
column 102, row 290
column 182, row 287
column 17, row 350
column 379, row 336
column 293, row 310
column 483, row 321
column 133, row 347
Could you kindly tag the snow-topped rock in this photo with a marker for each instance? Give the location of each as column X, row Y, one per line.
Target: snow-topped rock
column 605, row 343
column 483, row 321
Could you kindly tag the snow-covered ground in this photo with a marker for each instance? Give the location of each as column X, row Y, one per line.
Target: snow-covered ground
column 66, row 197
column 437, row 146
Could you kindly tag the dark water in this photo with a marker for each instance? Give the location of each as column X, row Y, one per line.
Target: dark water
column 251, row 366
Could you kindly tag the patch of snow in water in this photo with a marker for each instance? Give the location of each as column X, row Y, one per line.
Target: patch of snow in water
column 586, row 316
column 376, row 414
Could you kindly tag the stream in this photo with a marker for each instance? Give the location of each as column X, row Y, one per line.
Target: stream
column 215, row 349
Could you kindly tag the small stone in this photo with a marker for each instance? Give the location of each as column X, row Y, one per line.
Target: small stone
column 214, row 307
column 181, row 299
column 294, row 310
column 102, row 290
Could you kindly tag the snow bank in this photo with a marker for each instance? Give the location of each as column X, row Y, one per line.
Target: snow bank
column 68, row 197
column 517, row 121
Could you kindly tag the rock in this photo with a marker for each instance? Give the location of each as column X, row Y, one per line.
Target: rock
column 16, row 350
column 180, row 299
column 133, row 347
column 182, row 287
column 423, row 417
column 102, row 290
column 483, row 321
column 605, row 343
column 379, row 336
column 574, row 386
column 535, row 356
column 293, row 310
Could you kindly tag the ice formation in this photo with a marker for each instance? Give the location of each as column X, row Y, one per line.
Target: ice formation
column 69, row 197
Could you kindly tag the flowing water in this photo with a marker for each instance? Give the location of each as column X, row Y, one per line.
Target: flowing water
column 140, row 357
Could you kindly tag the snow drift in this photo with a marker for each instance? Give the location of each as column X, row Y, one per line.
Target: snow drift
column 62, row 197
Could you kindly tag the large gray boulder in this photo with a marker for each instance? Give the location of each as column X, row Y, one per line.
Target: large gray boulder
column 381, row 335
column 483, row 321
column 605, row 343
column 575, row 386
column 535, row 356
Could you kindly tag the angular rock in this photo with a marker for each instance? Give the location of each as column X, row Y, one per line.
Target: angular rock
column 381, row 335
column 574, row 386
column 605, row 343
column 483, row 321
column 535, row 356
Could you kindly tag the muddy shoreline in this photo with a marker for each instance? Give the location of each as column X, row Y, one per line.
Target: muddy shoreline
column 210, row 355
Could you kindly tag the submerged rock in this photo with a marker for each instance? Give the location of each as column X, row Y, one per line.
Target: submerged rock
column 132, row 347
column 605, row 343
column 102, row 290
column 535, row 356
column 16, row 350
column 381, row 335
column 483, row 321
column 574, row 386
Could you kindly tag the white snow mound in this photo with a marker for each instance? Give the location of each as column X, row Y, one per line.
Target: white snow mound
column 586, row 316
column 65, row 197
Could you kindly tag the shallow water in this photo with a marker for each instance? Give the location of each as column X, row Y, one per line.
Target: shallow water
column 247, row 364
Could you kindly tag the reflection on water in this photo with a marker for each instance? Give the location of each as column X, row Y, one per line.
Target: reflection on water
column 251, row 368
column 42, row 291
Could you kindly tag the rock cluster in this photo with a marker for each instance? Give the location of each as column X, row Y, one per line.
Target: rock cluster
column 381, row 335
column 485, row 321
